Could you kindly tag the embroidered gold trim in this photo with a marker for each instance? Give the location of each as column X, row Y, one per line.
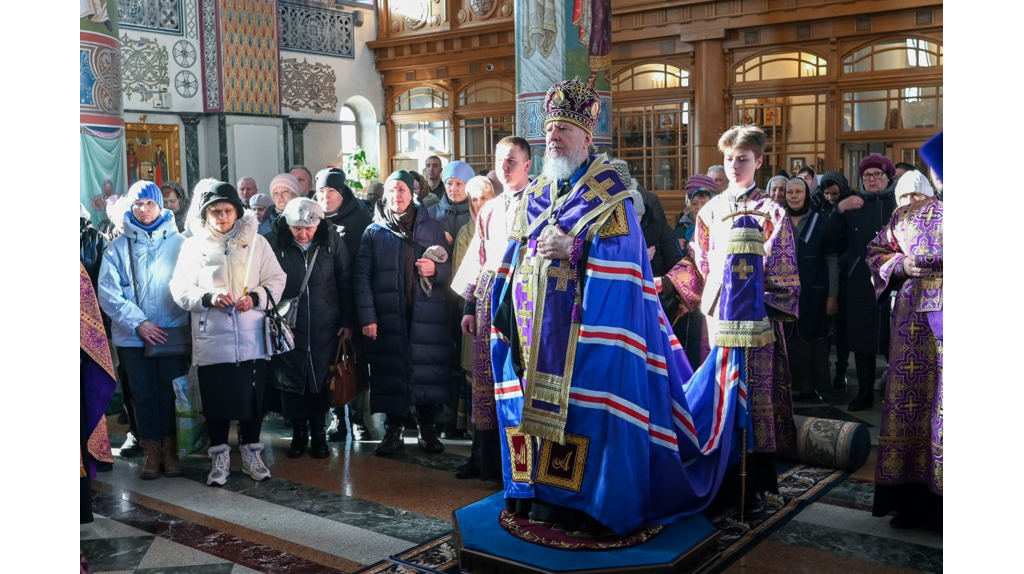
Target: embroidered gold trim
column 744, row 333
column 617, row 225
column 575, row 458
column 521, row 455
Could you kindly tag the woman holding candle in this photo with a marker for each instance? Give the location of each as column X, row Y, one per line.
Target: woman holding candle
column 223, row 276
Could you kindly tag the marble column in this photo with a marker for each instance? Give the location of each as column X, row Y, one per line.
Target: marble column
column 553, row 44
column 103, row 163
column 710, row 117
column 191, row 122
column 298, row 151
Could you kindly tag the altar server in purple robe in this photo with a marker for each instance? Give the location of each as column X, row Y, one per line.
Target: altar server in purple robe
column 906, row 257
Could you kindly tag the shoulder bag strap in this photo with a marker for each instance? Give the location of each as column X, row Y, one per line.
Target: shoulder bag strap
column 271, row 306
column 309, row 269
column 131, row 261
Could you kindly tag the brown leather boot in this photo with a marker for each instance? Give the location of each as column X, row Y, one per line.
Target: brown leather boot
column 152, row 449
column 172, row 465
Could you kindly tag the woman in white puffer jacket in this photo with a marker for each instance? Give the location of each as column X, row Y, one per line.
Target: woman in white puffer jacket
column 228, row 306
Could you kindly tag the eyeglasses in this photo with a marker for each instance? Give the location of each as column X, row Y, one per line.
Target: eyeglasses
column 873, row 175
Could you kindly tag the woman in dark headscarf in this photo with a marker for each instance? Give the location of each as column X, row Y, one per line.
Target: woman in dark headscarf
column 807, row 338
column 401, row 280
column 177, row 200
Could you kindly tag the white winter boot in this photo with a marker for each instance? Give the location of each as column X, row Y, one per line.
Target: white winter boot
column 220, row 467
column 252, row 464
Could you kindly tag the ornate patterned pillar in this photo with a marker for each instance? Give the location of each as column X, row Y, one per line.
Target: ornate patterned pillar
column 558, row 40
column 191, row 122
column 102, row 160
column 298, row 151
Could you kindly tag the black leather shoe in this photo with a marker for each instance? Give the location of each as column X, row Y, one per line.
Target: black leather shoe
column 428, row 439
column 318, row 443
column 392, row 441
column 905, row 520
column 300, row 438
column 755, row 507
column 862, row 402
column 468, row 470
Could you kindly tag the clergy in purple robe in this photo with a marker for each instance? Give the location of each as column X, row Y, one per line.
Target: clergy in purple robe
column 697, row 281
column 906, row 257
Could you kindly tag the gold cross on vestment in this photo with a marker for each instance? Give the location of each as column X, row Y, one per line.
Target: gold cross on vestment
column 598, row 189
column 915, row 329
column 742, row 269
column 930, row 215
column 911, row 367
column 911, row 405
column 564, row 274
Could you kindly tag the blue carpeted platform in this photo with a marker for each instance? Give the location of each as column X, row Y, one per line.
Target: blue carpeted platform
column 481, row 532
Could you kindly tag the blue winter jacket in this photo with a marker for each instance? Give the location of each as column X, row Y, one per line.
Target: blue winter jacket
column 155, row 256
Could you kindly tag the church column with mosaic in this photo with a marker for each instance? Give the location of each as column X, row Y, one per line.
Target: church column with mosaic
column 558, row 40
column 104, row 172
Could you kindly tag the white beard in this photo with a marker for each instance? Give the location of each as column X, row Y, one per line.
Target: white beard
column 561, row 167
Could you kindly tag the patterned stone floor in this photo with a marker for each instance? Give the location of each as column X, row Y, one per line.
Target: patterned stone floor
column 354, row 509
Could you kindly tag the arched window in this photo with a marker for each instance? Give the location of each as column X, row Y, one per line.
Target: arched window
column 487, row 92
column 421, row 99
column 780, row 66
column 895, row 54
column 650, row 77
column 349, row 130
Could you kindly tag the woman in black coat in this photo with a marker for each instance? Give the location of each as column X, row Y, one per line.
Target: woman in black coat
column 343, row 208
column 807, row 339
column 408, row 325
column 301, row 238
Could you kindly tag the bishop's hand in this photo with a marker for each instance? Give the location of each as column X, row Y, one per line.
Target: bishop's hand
column 555, row 245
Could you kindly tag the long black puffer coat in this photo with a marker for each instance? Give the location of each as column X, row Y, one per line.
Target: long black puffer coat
column 867, row 319
column 352, row 219
column 409, row 358
column 325, row 306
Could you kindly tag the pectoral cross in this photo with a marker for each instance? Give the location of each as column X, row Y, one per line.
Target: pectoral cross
column 564, row 274
column 742, row 269
column 598, row 189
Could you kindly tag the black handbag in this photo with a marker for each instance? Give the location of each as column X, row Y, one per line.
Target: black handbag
column 276, row 332
column 179, row 339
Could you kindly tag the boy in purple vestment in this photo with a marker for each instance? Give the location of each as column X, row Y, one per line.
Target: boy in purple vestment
column 697, row 281
column 906, row 256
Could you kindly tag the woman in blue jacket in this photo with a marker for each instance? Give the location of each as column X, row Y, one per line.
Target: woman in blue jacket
column 401, row 279
column 134, row 293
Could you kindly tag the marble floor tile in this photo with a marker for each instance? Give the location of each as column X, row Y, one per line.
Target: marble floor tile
column 165, row 553
column 931, row 536
column 861, row 546
column 239, row 569
column 343, row 540
column 852, row 494
column 839, row 517
column 103, row 527
column 115, row 553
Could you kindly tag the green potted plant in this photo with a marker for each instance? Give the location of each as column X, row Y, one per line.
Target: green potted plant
column 359, row 171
